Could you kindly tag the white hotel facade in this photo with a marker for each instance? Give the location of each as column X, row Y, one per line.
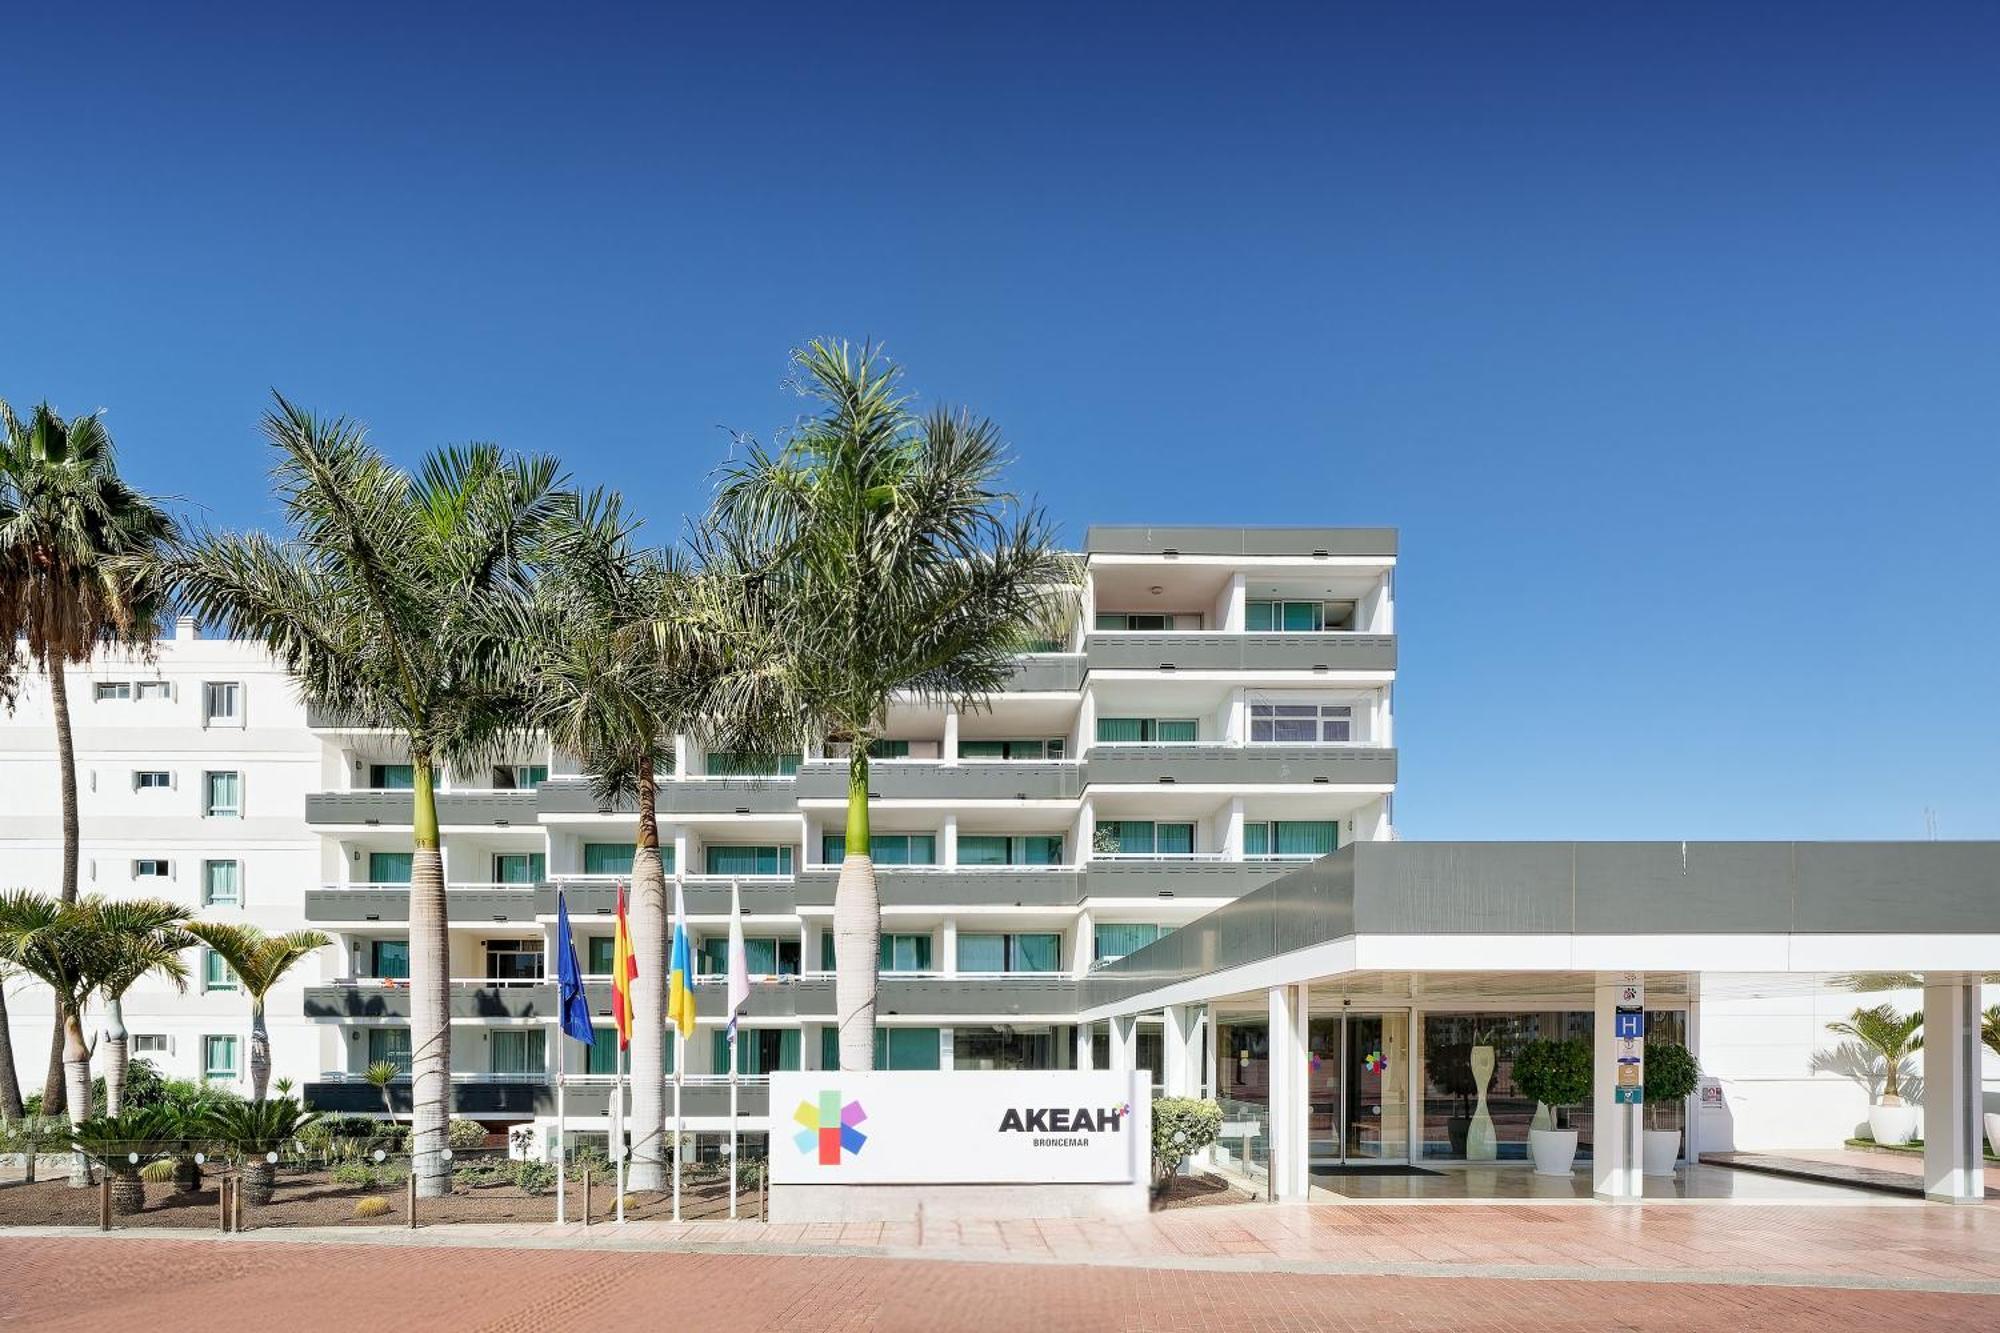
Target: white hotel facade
column 1214, row 749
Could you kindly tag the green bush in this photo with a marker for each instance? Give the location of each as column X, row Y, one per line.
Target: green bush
column 356, row 1173
column 534, row 1177
column 1672, row 1073
column 1182, row 1126
column 461, row 1134
column 1555, row 1073
column 590, row 1158
column 143, row 1087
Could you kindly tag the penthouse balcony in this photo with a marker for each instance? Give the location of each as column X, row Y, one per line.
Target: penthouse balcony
column 1218, row 650
column 338, row 903
column 1157, row 763
column 393, row 808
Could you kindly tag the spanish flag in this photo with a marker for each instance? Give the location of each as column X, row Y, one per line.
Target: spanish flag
column 624, row 969
column 680, row 973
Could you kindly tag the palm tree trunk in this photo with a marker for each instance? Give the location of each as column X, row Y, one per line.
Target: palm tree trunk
column 649, row 998
column 11, row 1108
column 857, row 925
column 76, row 1074
column 66, row 768
column 430, row 993
column 114, row 1054
column 260, row 1050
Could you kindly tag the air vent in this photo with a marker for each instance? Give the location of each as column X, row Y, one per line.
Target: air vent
column 1167, row 781
column 499, row 916
column 1322, row 779
column 1319, row 555
column 1321, row 667
column 744, row 809
column 1167, row 666
column 1171, row 552
column 502, row 823
column 372, row 916
column 1165, row 893
column 372, row 823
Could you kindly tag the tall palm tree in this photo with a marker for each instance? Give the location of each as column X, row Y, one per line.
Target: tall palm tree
column 260, row 962
column 902, row 570
column 11, row 1106
column 72, row 948
column 77, row 565
column 129, row 957
column 379, row 604
column 1888, row 1034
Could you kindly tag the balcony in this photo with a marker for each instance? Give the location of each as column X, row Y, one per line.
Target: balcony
column 374, row 998
column 1240, row 765
column 1168, row 877
column 524, row 1095
column 499, row 809
column 1334, row 650
column 954, row 886
column 1056, row 673
column 707, row 895
column 678, row 796
column 1298, row 543
column 391, row 902
column 933, row 780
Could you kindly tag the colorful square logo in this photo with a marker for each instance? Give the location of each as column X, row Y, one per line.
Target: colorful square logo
column 829, row 1127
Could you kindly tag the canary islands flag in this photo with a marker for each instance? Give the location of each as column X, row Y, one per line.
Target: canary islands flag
column 680, row 972
column 624, row 970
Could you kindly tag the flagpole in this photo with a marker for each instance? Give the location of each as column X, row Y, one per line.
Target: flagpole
column 562, row 1085
column 735, row 947
column 733, row 1062
column 678, row 1062
column 618, row 1132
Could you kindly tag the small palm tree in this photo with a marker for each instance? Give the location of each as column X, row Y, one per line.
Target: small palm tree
column 1989, row 1029
column 901, row 569
column 125, row 1144
column 78, row 567
column 260, row 962
column 381, row 1074
column 129, row 958
column 72, row 948
column 381, row 607
column 256, row 1130
column 1889, row 1035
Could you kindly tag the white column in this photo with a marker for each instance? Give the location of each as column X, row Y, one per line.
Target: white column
column 1414, row 1072
column 683, row 756
column 945, row 1052
column 1616, row 1158
column 1954, row 1170
column 1085, row 1032
column 1691, row 1136
column 1232, row 830
column 681, row 866
column 948, row 965
column 1084, row 952
column 950, row 747
column 1212, row 1070
column 948, row 847
column 1234, row 614
column 1182, row 1042
column 1290, row 1105
column 1125, row 1043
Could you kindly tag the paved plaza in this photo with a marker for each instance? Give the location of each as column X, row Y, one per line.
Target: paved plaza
column 1695, row 1264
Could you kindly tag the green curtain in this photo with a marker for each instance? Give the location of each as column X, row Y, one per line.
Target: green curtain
column 390, row 1044
column 982, row 749
column 732, row 764
column 982, row 849
column 1035, row 953
column 1038, row 851
column 389, row 867
column 613, row 858
column 520, row 1051
column 1298, row 837
column 982, row 953
column 749, row 860
column 1302, row 616
column 1169, row 839
column 1121, row 729
column 392, row 777
column 390, row 959
column 906, row 953
column 602, row 1057
column 1256, row 839
column 881, row 749
column 1179, row 730
column 1260, row 617
column 600, row 949
column 1116, row 939
column 520, row 867
column 909, row 1048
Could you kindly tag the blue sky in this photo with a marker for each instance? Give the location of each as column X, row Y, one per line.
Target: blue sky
column 1668, row 335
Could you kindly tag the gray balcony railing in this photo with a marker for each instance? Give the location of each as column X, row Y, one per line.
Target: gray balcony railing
column 707, row 895
column 391, row 902
column 1303, row 543
column 1246, row 765
column 928, row 779
column 1058, row 673
column 393, row 808
column 955, row 886
column 679, row 796
column 1219, row 651
column 502, row 1096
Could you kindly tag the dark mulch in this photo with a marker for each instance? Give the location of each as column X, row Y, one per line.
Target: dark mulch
column 1198, row 1191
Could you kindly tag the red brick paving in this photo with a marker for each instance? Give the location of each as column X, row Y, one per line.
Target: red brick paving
column 166, row 1285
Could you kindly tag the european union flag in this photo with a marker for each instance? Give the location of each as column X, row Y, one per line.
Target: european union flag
column 575, row 1005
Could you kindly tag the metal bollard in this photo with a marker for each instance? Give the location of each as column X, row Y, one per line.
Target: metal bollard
column 586, row 1197
column 411, row 1186
column 104, row 1201
column 762, row 1169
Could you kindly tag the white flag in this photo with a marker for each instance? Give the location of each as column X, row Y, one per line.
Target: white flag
column 739, row 959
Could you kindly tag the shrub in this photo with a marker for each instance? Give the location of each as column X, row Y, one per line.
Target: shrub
column 355, row 1173
column 1555, row 1073
column 534, row 1177
column 592, row 1159
column 465, row 1134
column 1672, row 1073
column 372, row 1206
column 1182, row 1126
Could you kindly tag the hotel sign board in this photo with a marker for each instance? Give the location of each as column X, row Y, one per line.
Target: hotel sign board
column 1629, row 1041
column 960, row 1127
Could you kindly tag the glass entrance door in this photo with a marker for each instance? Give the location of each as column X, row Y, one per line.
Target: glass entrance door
column 1375, row 1078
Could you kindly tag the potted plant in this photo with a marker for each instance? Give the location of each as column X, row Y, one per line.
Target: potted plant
column 1672, row 1074
column 1556, row 1074
column 1892, row 1037
column 1989, row 1032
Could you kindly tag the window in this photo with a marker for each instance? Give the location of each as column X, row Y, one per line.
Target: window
column 215, row 973
column 1122, row 620
column 389, row 959
column 221, row 704
column 885, row 749
column 766, row 957
column 152, row 779
column 1275, row 617
column 900, row 953
column 598, row 951
column 758, row 1050
column 994, row 849
column 1291, row 837
column 520, row 777
column 1148, row 730
column 514, row 960
column 111, row 689
column 391, row 777
column 1143, row 837
column 520, row 1051
column 519, row 867
column 886, row 849
column 895, row 1048
column 610, row 858
column 221, row 884
column 1010, row 749
column 601, row 1057
column 152, row 868
column 152, row 1043
column 218, row 1057
column 736, row 764
column 1009, row 953
column 1308, row 724
column 390, row 1045
column 389, row 867
column 1115, row 940
column 731, row 860
column 153, row 689
column 1002, row 1048
column 222, row 795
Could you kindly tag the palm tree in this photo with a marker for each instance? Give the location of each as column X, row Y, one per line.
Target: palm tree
column 77, row 566
column 11, row 1106
column 259, row 961
column 128, row 958
column 605, row 676
column 380, row 1075
column 901, row 569
column 72, row 948
column 1888, row 1034
column 1989, row 1029
column 256, row 1129
column 380, row 607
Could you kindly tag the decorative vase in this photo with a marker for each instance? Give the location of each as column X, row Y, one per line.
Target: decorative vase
column 1554, row 1151
column 1993, row 1132
column 1892, row 1126
column 1479, row 1142
column 1661, row 1148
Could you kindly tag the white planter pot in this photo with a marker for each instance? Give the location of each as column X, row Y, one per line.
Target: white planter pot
column 1554, row 1150
column 1662, row 1146
column 1993, row 1132
column 1892, row 1125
